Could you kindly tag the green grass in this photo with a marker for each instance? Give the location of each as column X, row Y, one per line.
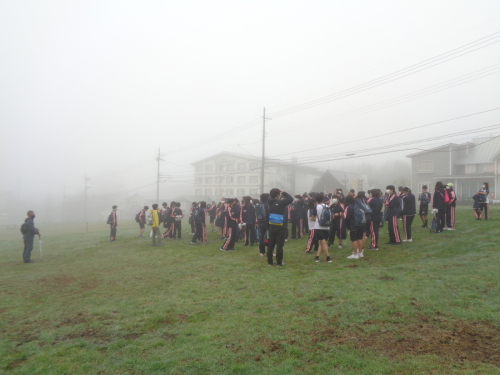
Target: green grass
column 95, row 307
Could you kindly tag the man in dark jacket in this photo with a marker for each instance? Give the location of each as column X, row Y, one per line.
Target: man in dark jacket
column 29, row 232
column 277, row 231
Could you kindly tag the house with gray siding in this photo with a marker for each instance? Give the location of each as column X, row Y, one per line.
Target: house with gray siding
column 466, row 165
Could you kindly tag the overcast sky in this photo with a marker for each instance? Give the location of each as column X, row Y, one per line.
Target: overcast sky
column 97, row 87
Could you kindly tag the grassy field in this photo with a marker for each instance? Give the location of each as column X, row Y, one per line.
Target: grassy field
column 95, row 307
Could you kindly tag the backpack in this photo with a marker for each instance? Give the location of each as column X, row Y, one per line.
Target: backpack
column 434, row 224
column 110, row 219
column 359, row 216
column 325, row 218
column 24, row 228
column 424, row 199
column 149, row 219
column 260, row 211
column 137, row 219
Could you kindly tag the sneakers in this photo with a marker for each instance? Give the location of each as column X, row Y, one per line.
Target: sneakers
column 451, row 228
column 410, row 240
column 271, row 264
column 141, row 236
column 193, row 243
column 339, row 247
column 316, row 259
column 360, row 255
column 353, row 256
column 280, row 264
column 328, row 260
column 262, row 254
column 221, row 249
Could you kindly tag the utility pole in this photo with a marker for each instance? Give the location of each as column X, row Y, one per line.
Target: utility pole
column 264, row 118
column 85, row 210
column 158, row 178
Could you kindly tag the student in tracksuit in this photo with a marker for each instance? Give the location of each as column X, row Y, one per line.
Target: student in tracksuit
column 248, row 218
column 356, row 233
column 232, row 225
column 376, row 203
column 200, row 226
column 192, row 212
column 212, row 211
column 336, row 214
column 142, row 221
column 392, row 211
column 438, row 206
column 312, row 244
column 263, row 223
column 450, row 207
column 305, row 217
column 483, row 203
column 409, row 212
column 296, row 217
column 425, row 198
column 177, row 215
column 277, row 234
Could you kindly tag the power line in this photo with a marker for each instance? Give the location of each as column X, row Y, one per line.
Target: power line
column 412, row 69
column 391, row 133
column 397, row 100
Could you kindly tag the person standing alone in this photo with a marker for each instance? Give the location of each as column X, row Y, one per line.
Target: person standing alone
column 29, row 231
column 113, row 222
column 155, row 226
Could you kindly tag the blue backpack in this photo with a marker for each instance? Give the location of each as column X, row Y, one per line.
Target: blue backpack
column 260, row 211
column 359, row 216
column 325, row 218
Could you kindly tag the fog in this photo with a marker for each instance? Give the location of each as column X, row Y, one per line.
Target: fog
column 95, row 88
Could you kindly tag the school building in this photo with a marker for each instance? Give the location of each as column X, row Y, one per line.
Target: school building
column 465, row 165
column 229, row 174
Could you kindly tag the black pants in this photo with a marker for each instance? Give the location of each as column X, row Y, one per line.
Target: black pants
column 333, row 231
column 312, row 242
column 440, row 220
column 28, row 247
column 177, row 229
column 193, row 225
column 374, row 229
column 393, row 230
column 112, row 235
column 262, row 237
column 232, row 236
column 285, row 225
column 250, row 234
column 277, row 237
column 200, row 233
column 407, row 221
column 296, row 228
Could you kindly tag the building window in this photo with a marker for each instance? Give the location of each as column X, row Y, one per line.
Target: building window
column 241, row 179
column 479, row 168
column 199, row 168
column 197, row 192
column 241, row 192
column 208, row 192
column 219, row 167
column 219, row 180
column 198, row 181
column 253, row 179
column 229, row 192
column 219, row 192
column 208, row 180
column 241, row 166
column 230, row 179
column 254, row 165
column 208, row 168
column 230, row 167
column 253, row 191
column 426, row 166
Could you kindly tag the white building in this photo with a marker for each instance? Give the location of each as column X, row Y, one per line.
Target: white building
column 229, row 174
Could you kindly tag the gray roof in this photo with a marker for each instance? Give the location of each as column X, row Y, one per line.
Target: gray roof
column 483, row 150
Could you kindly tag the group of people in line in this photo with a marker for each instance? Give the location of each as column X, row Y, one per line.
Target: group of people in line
column 321, row 217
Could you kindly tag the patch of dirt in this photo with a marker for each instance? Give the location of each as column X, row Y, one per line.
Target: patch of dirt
column 182, row 317
column 15, row 363
column 458, row 340
column 90, row 334
column 270, row 346
column 322, row 298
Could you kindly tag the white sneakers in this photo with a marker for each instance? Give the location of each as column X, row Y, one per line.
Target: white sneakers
column 339, row 247
column 410, row 240
column 353, row 256
column 360, row 255
column 450, row 228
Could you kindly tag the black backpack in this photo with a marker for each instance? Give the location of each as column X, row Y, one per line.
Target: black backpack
column 24, row 228
column 137, row 219
column 326, row 217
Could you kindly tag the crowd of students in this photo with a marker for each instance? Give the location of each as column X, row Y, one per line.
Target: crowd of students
column 321, row 217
